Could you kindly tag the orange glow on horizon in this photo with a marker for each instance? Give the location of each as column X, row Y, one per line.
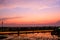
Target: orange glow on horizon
column 21, row 21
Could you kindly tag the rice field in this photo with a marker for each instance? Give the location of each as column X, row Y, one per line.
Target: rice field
column 32, row 36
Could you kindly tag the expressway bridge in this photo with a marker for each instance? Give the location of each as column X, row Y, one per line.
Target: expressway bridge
column 25, row 30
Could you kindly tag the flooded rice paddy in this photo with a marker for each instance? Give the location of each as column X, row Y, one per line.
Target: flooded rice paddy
column 32, row 36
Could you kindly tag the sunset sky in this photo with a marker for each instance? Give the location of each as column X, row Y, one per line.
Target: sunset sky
column 30, row 11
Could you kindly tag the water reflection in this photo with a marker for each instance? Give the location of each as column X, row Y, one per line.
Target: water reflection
column 32, row 36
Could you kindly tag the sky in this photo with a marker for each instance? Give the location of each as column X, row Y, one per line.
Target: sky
column 30, row 11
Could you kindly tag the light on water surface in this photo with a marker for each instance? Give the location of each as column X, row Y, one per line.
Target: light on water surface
column 32, row 36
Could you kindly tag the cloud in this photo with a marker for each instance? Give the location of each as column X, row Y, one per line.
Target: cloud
column 33, row 4
column 58, row 22
column 9, row 18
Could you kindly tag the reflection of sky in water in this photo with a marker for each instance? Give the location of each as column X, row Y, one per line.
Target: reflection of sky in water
column 32, row 36
column 37, row 35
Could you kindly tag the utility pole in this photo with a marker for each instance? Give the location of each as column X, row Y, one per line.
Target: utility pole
column 3, row 19
column 2, row 25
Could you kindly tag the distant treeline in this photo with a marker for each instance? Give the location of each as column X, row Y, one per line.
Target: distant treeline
column 26, row 28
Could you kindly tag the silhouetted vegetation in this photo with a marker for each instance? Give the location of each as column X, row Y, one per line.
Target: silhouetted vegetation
column 27, row 28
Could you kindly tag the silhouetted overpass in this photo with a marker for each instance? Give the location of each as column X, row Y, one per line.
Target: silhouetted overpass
column 22, row 30
column 26, row 32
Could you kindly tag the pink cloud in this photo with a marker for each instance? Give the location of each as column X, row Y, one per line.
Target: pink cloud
column 26, row 4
